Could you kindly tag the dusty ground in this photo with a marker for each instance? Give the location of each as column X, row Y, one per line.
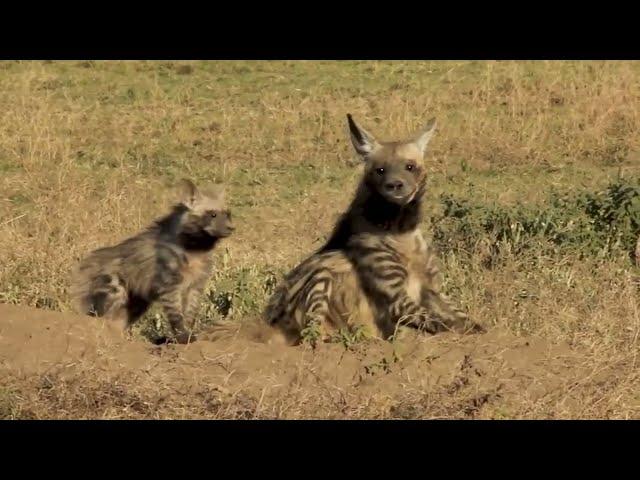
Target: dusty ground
column 56, row 365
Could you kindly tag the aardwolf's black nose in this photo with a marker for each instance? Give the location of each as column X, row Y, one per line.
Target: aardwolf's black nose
column 395, row 185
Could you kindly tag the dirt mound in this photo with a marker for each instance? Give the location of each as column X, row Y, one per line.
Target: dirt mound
column 56, row 365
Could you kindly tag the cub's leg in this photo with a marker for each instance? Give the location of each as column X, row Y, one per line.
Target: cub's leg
column 191, row 301
column 169, row 283
column 108, row 298
column 171, row 301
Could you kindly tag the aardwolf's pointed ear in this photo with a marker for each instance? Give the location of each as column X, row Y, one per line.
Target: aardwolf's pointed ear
column 422, row 138
column 189, row 193
column 363, row 141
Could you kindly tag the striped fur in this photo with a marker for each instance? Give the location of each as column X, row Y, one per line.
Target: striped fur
column 170, row 262
column 324, row 289
column 376, row 268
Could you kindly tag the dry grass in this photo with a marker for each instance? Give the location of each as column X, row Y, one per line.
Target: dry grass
column 88, row 151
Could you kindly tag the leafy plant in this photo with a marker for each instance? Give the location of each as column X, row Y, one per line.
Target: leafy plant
column 588, row 223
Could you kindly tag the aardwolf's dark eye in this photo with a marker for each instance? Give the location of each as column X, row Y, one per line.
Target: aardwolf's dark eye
column 380, row 171
column 212, row 214
column 410, row 167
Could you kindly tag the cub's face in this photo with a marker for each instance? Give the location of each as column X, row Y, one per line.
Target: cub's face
column 206, row 211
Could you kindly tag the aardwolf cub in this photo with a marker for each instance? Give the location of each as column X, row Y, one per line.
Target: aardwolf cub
column 169, row 262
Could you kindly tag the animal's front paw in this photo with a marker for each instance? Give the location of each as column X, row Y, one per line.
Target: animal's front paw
column 184, row 337
column 423, row 322
column 473, row 327
column 467, row 326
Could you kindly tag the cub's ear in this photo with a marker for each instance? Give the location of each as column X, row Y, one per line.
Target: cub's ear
column 422, row 138
column 363, row 142
column 189, row 193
